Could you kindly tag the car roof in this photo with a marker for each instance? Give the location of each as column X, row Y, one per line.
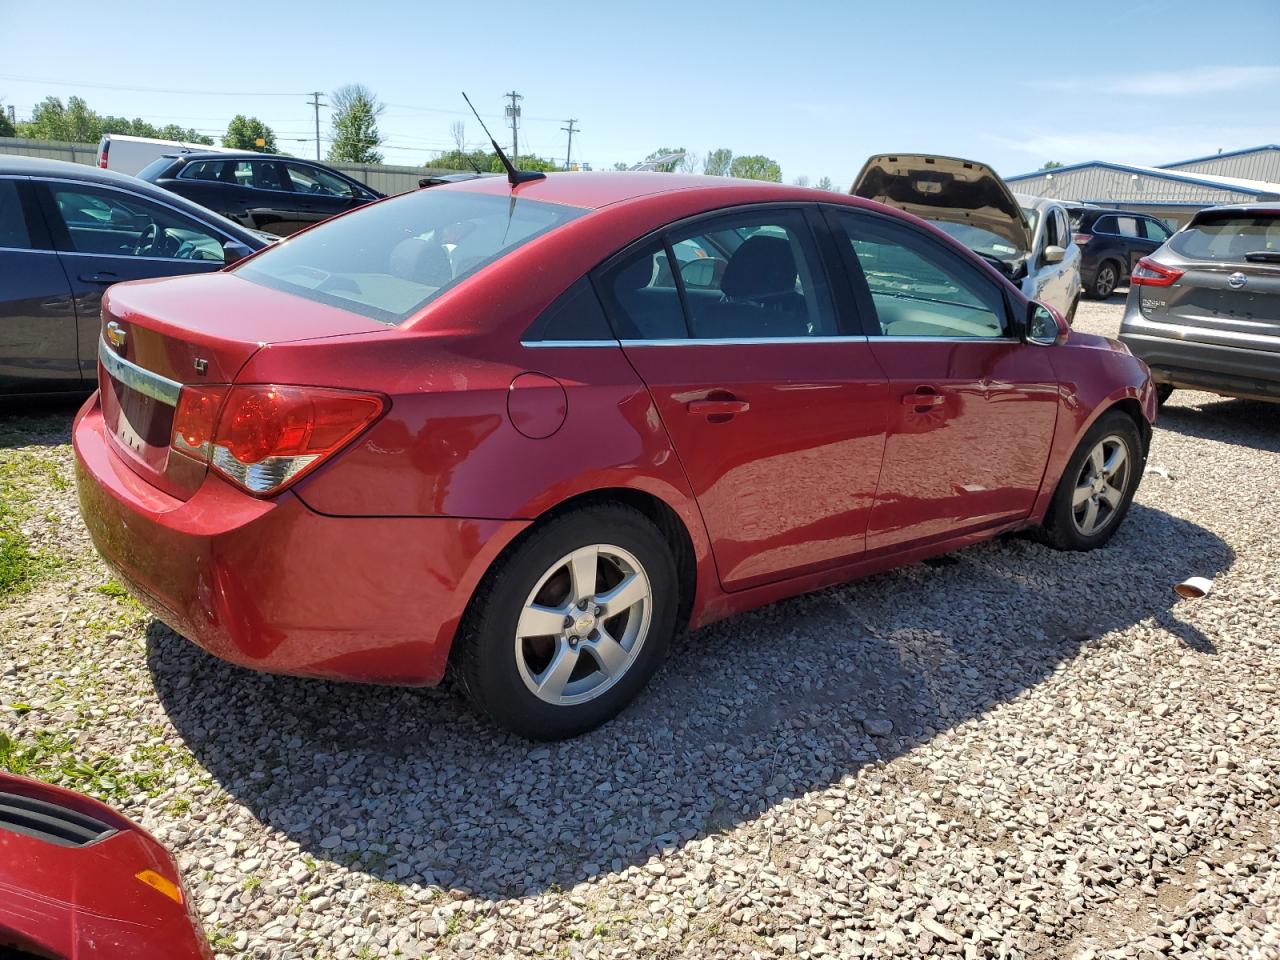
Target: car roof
column 1245, row 208
column 232, row 155
column 596, row 189
column 16, row 166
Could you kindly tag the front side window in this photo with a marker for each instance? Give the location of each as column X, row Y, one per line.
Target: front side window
column 13, row 224
column 1156, row 230
column 918, row 288
column 389, row 260
column 317, row 182
column 109, row 222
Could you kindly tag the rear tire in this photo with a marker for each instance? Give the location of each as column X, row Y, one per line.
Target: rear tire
column 1097, row 486
column 1105, row 280
column 589, row 663
column 1163, row 392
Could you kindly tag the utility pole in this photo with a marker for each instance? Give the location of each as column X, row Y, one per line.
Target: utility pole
column 569, row 150
column 315, row 102
column 513, row 112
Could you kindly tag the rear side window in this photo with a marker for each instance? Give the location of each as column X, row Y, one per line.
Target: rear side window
column 1106, row 225
column 204, row 170
column 1228, row 238
column 640, row 293
column 576, row 316
column 13, row 225
column 389, row 260
column 1128, row 226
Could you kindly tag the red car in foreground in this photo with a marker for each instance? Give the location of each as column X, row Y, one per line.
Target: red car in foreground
column 529, row 432
column 78, row 880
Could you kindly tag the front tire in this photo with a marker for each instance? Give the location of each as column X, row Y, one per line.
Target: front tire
column 1097, row 486
column 571, row 624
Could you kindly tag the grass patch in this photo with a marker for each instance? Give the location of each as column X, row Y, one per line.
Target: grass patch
column 24, row 481
column 54, row 759
column 112, row 588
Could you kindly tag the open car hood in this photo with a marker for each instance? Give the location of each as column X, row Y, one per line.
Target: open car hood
column 945, row 189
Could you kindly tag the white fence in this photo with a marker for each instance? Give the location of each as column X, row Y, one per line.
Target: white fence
column 383, row 178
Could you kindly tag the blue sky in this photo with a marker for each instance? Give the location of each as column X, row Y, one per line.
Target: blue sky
column 816, row 86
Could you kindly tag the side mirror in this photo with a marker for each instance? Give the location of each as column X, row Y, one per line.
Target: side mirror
column 233, row 251
column 1054, row 254
column 1045, row 327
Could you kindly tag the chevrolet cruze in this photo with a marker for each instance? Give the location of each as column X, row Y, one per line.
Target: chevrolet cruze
column 526, row 433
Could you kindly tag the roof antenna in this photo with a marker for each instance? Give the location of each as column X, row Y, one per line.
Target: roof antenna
column 516, row 177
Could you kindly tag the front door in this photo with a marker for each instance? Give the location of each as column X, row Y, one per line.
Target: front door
column 37, row 319
column 776, row 412
column 319, row 194
column 973, row 408
column 105, row 235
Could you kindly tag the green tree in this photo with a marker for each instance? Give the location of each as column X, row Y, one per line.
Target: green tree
column 243, row 133
column 718, row 162
column 1051, row 165
column 824, row 183
column 801, row 181
column 756, row 167
column 621, row 166
column 662, row 152
column 485, row 162
column 6, row 128
column 355, row 125
column 76, row 123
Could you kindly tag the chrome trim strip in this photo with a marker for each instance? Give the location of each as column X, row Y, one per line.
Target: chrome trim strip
column 25, row 250
column 568, row 343
column 740, row 341
column 137, row 378
column 945, row 340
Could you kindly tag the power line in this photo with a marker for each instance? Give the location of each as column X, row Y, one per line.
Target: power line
column 114, row 86
column 569, row 149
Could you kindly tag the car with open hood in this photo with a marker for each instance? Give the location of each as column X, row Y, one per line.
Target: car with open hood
column 1026, row 238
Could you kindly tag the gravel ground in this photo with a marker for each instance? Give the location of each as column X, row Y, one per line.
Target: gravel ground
column 1008, row 753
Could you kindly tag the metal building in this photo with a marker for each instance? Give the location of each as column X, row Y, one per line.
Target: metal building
column 1252, row 163
column 1171, row 195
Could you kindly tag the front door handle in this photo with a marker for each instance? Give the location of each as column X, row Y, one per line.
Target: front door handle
column 923, row 397
column 717, row 408
column 106, row 276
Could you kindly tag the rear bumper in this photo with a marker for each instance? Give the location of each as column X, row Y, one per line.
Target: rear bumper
column 1232, row 371
column 274, row 586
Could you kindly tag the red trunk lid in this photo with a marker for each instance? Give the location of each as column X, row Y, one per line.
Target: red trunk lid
column 159, row 335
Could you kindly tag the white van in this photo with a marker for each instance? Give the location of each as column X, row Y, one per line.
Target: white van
column 130, row 154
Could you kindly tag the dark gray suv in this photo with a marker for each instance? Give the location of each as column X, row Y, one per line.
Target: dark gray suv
column 1204, row 310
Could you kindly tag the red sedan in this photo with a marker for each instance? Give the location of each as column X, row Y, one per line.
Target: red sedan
column 530, row 432
column 77, row 879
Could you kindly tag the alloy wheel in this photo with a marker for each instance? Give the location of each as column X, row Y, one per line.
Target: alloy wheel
column 1100, row 486
column 583, row 624
column 1105, row 285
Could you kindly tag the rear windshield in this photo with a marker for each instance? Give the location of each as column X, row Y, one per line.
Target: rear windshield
column 390, row 259
column 1228, row 238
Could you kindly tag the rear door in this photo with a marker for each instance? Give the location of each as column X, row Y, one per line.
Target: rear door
column 770, row 394
column 105, row 235
column 37, row 317
column 972, row 408
column 272, row 205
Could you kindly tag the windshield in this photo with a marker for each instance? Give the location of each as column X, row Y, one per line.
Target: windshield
column 156, row 167
column 388, row 260
column 1229, row 238
column 980, row 241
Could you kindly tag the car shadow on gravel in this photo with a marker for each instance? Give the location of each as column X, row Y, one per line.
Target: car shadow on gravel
column 1247, row 423
column 409, row 787
column 42, row 422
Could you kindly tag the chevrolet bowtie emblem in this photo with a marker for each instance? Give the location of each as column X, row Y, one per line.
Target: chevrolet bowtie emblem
column 116, row 334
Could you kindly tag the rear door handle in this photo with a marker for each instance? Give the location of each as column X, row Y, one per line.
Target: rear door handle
column 713, row 408
column 923, row 397
column 106, row 276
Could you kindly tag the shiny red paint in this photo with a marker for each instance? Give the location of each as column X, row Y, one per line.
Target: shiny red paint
column 87, row 901
column 364, row 568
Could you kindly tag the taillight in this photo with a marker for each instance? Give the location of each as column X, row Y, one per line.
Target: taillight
column 102, row 155
column 1148, row 273
column 1081, row 238
column 263, row 437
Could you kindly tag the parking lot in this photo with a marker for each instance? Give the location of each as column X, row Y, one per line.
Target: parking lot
column 1010, row 752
